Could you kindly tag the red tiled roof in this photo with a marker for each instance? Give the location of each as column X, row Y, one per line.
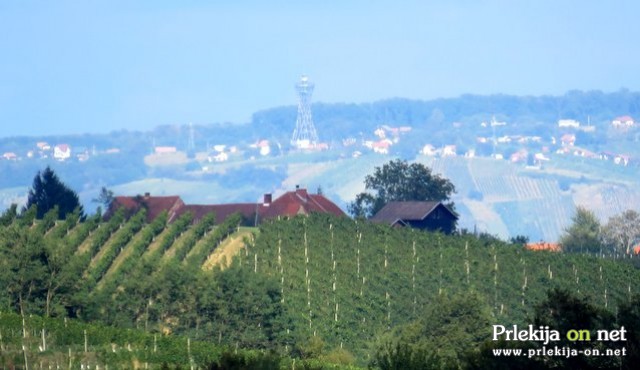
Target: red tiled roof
column 154, row 205
column 543, row 246
column 624, row 119
column 289, row 204
column 222, row 211
column 300, row 202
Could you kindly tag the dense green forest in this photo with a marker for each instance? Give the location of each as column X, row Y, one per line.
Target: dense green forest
column 317, row 287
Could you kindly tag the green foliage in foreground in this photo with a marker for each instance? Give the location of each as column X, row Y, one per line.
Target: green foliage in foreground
column 419, row 346
column 318, row 288
column 65, row 344
column 350, row 282
column 50, row 342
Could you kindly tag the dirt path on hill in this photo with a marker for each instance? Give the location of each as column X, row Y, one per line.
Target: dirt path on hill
column 223, row 255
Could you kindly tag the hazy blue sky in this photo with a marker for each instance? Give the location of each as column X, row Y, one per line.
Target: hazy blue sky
column 98, row 66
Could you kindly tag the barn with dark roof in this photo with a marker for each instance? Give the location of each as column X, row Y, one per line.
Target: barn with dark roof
column 431, row 216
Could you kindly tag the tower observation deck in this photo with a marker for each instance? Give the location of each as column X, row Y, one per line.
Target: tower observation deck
column 304, row 135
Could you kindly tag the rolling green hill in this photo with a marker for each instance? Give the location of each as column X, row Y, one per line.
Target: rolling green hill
column 346, row 283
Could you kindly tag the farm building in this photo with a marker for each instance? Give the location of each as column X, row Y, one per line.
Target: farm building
column 289, row 204
column 431, row 216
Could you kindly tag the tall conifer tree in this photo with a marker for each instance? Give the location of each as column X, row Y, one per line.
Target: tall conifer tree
column 48, row 191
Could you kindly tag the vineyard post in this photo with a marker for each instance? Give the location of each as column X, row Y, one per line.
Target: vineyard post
column 306, row 267
column 524, row 286
column 335, row 277
column 495, row 277
column 386, row 280
column 440, row 266
column 466, row 262
column 146, row 314
column 524, row 275
column 189, row 353
column 600, row 273
column 359, row 234
column 44, row 340
column 85, row 341
column 24, row 350
column 575, row 273
column 358, row 255
column 281, row 268
column 413, row 277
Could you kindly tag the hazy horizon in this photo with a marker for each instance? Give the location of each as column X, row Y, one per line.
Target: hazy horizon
column 73, row 67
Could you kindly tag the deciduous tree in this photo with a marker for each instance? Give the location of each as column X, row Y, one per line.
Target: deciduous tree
column 400, row 181
column 622, row 231
column 105, row 198
column 584, row 233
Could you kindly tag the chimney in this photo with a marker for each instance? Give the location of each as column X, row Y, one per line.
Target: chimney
column 267, row 200
column 147, row 195
column 302, row 193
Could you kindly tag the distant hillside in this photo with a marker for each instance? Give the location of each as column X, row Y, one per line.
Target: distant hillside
column 516, row 169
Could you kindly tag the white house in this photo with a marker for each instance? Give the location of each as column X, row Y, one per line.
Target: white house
column 382, row 146
column 221, row 157
column 568, row 123
column 449, row 151
column 42, row 145
column 568, row 139
column 495, row 123
column 540, row 157
column 165, row 149
column 62, row 152
column 10, row 156
column 623, row 121
column 429, row 150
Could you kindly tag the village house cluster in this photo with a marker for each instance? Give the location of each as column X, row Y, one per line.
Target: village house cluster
column 565, row 144
column 60, row 152
column 532, row 150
